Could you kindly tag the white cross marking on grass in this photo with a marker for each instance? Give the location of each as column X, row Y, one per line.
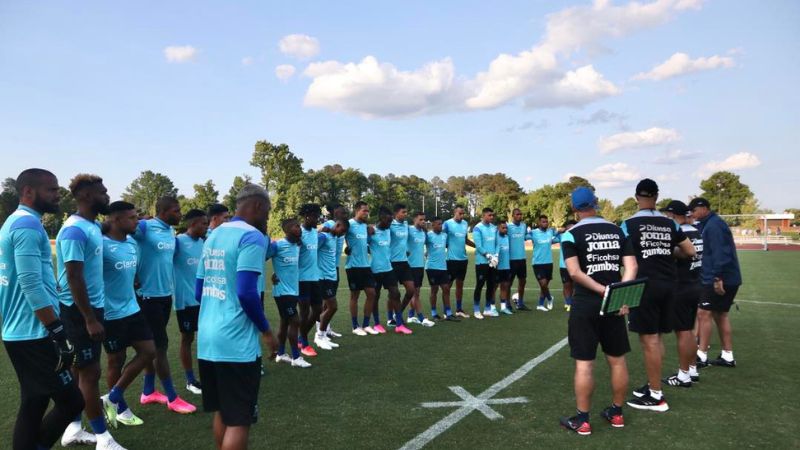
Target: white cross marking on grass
column 481, row 402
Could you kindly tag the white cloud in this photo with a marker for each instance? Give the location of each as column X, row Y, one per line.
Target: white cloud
column 300, row 46
column 577, row 88
column 248, row 61
column 612, row 175
column 374, row 89
column 681, row 64
column 285, row 71
column 675, row 156
column 180, row 53
column 635, row 139
column 737, row 161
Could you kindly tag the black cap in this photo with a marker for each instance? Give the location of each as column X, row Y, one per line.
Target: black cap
column 698, row 201
column 676, row 207
column 647, row 188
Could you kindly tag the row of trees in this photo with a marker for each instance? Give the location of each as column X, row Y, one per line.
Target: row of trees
column 291, row 185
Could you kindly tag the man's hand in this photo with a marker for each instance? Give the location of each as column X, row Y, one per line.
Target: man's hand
column 272, row 343
column 64, row 349
column 95, row 329
column 624, row 310
column 719, row 288
column 275, row 279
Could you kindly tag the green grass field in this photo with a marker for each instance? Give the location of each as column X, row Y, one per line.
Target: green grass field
column 368, row 393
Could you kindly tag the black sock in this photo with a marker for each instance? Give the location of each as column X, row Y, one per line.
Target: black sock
column 584, row 416
column 616, row 409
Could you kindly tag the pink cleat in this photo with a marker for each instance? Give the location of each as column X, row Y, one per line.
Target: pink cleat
column 155, row 397
column 402, row 329
column 379, row 328
column 180, row 406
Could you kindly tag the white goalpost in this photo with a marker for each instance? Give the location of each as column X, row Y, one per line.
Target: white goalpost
column 765, row 238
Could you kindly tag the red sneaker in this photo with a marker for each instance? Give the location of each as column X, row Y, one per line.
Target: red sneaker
column 181, row 406
column 155, row 397
column 579, row 426
column 308, row 351
column 615, row 419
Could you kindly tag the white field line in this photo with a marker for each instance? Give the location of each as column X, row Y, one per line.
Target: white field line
column 456, row 416
column 794, row 305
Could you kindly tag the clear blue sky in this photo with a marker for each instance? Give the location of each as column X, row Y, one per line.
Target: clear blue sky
column 670, row 89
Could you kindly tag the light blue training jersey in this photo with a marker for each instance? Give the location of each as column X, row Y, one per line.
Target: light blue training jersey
column 436, row 244
column 80, row 240
column 285, row 258
column 157, row 248
column 399, row 247
column 120, row 259
column 542, row 243
column 308, row 264
column 357, row 242
column 331, row 224
column 380, row 249
column 456, row 239
column 485, row 238
column 517, row 235
column 416, row 247
column 327, row 258
column 27, row 282
column 188, row 252
column 225, row 333
column 503, row 252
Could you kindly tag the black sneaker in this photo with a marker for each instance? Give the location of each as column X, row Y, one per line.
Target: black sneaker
column 614, row 418
column 581, row 427
column 642, row 391
column 523, row 307
column 722, row 363
column 391, row 323
column 675, row 381
column 700, row 363
column 648, row 403
column 437, row 318
column 452, row 318
column 695, row 378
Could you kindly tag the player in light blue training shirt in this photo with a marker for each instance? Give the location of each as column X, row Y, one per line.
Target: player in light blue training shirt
column 503, row 271
column 436, row 268
column 457, row 230
column 416, row 263
column 543, row 238
column 385, row 277
column 328, row 263
column 402, row 270
column 566, row 280
column 310, row 298
column 339, row 213
column 357, row 266
column 484, row 234
column 518, row 233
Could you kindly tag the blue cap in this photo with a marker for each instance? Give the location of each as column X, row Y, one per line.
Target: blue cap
column 583, row 198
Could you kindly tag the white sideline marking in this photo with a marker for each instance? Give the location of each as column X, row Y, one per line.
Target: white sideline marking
column 767, row 303
column 480, row 403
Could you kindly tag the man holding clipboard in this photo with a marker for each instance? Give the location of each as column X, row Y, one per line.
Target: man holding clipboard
column 595, row 251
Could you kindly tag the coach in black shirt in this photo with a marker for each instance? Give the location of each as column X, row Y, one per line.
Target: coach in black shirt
column 595, row 251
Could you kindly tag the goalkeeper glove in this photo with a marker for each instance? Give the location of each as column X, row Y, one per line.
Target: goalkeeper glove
column 64, row 349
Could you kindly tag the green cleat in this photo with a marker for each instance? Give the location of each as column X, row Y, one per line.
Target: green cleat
column 129, row 419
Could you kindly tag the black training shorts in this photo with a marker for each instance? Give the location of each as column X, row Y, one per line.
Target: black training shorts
column 438, row 277
column 402, row 271
column 654, row 314
column 585, row 330
column 87, row 351
column 310, row 292
column 360, row 278
column 519, row 269
column 232, row 389
column 457, row 269
column 187, row 318
column 35, row 362
column 287, row 306
column 710, row 301
column 121, row 333
column 417, row 275
column 565, row 278
column 156, row 311
column 328, row 288
column 685, row 311
column 385, row 279
column 543, row 271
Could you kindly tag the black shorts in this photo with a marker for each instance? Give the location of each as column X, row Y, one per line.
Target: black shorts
column 121, row 333
column 457, row 269
column 654, row 314
column 710, row 301
column 328, row 288
column 385, row 279
column 685, row 311
column 310, row 292
column 156, row 311
column 34, row 362
column 287, row 306
column 585, row 331
column 232, row 389
column 438, row 277
column 502, row 276
column 187, row 318
column 565, row 278
column 360, row 278
column 543, row 271
column 417, row 275
column 484, row 273
column 402, row 271
column 87, row 351
column 519, row 269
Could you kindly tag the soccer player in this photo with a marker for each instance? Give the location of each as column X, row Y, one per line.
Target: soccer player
column 566, row 280
column 285, row 255
column 654, row 238
column 217, row 215
column 721, row 278
column 124, row 323
column 188, row 251
column 156, row 240
column 416, row 261
column 231, row 318
column 33, row 334
column 543, row 238
column 597, row 247
column 518, row 233
column 339, row 213
column 381, row 266
column 436, row 268
column 359, row 274
column 686, row 298
column 399, row 253
column 456, row 230
column 310, row 298
column 328, row 264
column 79, row 251
column 484, row 234
column 503, row 271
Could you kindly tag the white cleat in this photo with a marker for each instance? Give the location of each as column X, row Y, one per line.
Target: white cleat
column 322, row 342
column 283, row 358
column 333, row 334
column 371, row 330
column 478, row 315
column 109, row 444
column 542, row 308
column 462, row 314
column 490, row 313
column 300, row 362
column 194, row 389
column 76, row 435
column 413, row 319
column 549, row 303
column 359, row 331
column 428, row 323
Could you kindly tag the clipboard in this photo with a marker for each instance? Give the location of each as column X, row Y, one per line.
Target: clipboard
column 623, row 293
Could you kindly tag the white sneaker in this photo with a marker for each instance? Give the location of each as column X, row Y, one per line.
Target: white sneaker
column 191, row 387
column 428, row 323
column 322, row 342
column 370, row 330
column 542, row 308
column 549, row 303
column 413, row 319
column 462, row 314
column 359, row 331
column 76, row 435
column 300, row 362
column 109, row 444
column 283, row 358
column 478, row 315
column 490, row 313
column 333, row 334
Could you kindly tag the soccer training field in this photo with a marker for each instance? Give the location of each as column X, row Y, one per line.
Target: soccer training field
column 369, row 392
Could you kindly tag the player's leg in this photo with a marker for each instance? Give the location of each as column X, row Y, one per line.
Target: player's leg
column 329, row 308
column 522, row 280
column 434, row 294
column 569, row 290
column 704, row 321
column 376, row 314
column 583, row 339
column 480, row 281
column 719, row 312
column 491, row 292
column 304, row 307
column 67, row 404
column 219, row 430
column 235, row 438
column 410, row 292
column 505, row 296
column 369, row 306
column 354, row 309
